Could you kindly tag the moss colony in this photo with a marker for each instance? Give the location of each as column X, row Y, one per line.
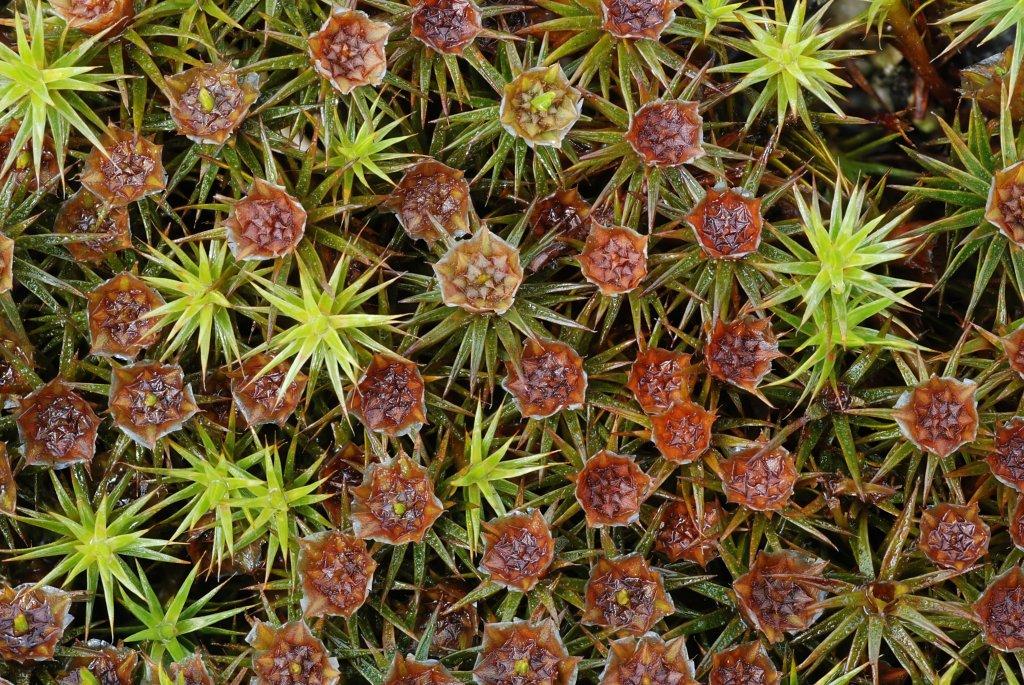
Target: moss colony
column 435, row 342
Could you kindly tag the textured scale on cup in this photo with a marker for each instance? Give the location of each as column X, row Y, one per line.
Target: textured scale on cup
column 130, row 170
column 781, row 593
column 480, row 274
column 192, row 670
column 518, row 549
column 626, row 594
column 1004, row 208
column 261, row 397
column 82, row 213
column 95, row 16
column 267, row 223
column 446, row 26
column 614, row 258
column 683, row 534
column 648, row 660
column 22, row 170
column 667, row 133
column 637, row 18
column 57, row 426
column 390, row 396
column 939, row 415
column 150, row 400
column 1000, row 611
column 683, row 433
column 727, row 223
column 953, row 535
column 210, row 101
column 550, row 378
column 760, row 479
column 32, row 621
column 406, row 670
column 395, row 503
column 523, row 653
column 290, row 655
column 540, row 106
column 336, row 573
column 1006, row 460
column 745, row 664
column 118, row 321
column 566, row 215
column 349, row 50
column 109, row 665
column 741, row 352
column 610, row 489
column 432, row 200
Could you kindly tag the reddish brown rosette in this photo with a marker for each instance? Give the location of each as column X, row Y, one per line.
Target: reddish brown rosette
column 210, row 101
column 150, row 400
column 192, row 670
column 637, row 18
column 610, row 489
column 480, row 274
column 336, row 573
column 396, row 503
column 939, row 415
column 563, row 213
column 667, row 133
column 540, row 106
column 685, row 535
column 22, row 169
column 96, row 16
column 648, row 660
column 406, row 670
column 727, row 223
column 108, row 665
column 57, row 427
column 455, row 628
column 258, row 394
column 1000, row 610
column 13, row 379
column 759, row 479
column 741, row 352
column 549, row 378
column 118, row 325
column 128, row 170
column 1007, row 456
column 614, row 258
column 660, row 378
column 744, row 664
column 627, row 595
column 432, row 200
column 683, row 433
column 1013, row 346
column 32, row 621
column 349, row 50
column 523, row 653
column 781, row 593
column 518, row 549
column 446, row 26
column 389, row 398
column 1004, row 208
column 339, row 473
column 290, row 655
column 84, row 213
column 1016, row 524
column 265, row 224
column 953, row 536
